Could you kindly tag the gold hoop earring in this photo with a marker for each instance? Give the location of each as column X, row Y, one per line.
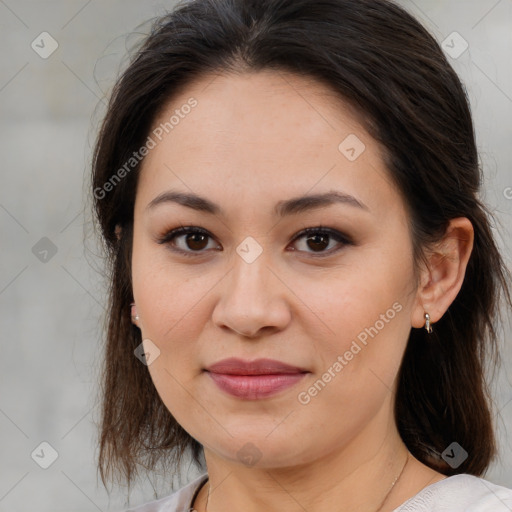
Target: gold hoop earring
column 428, row 325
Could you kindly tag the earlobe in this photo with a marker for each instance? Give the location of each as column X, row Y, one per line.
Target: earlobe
column 118, row 231
column 442, row 279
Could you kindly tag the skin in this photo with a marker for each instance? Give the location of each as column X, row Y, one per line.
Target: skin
column 255, row 139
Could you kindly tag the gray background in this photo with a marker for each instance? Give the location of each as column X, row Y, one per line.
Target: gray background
column 52, row 304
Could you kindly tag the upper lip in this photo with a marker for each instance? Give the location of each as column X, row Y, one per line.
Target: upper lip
column 236, row 366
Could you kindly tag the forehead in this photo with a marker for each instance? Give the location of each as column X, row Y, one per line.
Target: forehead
column 266, row 133
column 263, row 103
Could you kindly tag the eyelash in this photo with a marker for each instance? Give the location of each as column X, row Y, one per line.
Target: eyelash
column 185, row 230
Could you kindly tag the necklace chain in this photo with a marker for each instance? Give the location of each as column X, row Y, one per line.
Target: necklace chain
column 393, row 484
column 380, row 507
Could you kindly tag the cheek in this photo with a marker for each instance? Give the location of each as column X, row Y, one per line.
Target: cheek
column 164, row 294
column 357, row 354
column 363, row 310
column 162, row 306
column 169, row 309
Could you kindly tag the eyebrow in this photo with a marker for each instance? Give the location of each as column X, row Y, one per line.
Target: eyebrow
column 283, row 208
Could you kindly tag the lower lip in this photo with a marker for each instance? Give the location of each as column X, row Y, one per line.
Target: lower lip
column 255, row 387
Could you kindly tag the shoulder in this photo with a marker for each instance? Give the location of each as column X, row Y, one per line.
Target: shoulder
column 460, row 493
column 178, row 501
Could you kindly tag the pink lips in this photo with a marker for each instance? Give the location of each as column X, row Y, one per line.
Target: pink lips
column 252, row 380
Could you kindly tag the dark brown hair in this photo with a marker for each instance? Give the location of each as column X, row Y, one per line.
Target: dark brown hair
column 383, row 62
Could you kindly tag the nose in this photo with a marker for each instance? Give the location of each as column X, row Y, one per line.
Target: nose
column 254, row 300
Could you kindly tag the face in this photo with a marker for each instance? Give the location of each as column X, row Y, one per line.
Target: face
column 247, row 282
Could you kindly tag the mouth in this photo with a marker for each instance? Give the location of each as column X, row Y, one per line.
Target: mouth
column 254, row 380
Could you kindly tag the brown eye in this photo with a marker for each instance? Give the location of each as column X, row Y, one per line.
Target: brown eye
column 196, row 241
column 187, row 240
column 317, row 240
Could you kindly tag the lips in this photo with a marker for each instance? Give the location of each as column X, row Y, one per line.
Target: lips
column 254, row 380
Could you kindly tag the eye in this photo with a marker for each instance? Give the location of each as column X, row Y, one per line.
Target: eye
column 319, row 238
column 195, row 240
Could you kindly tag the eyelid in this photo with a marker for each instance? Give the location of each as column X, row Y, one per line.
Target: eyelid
column 337, row 235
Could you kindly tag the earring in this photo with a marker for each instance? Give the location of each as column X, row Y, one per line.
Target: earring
column 428, row 326
column 135, row 317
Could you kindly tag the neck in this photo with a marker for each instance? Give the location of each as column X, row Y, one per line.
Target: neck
column 361, row 475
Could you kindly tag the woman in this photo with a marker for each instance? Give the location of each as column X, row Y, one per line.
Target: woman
column 305, row 285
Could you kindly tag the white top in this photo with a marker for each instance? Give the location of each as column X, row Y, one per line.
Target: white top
column 458, row 493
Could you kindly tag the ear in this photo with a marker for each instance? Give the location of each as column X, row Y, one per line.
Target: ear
column 442, row 279
column 118, row 231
